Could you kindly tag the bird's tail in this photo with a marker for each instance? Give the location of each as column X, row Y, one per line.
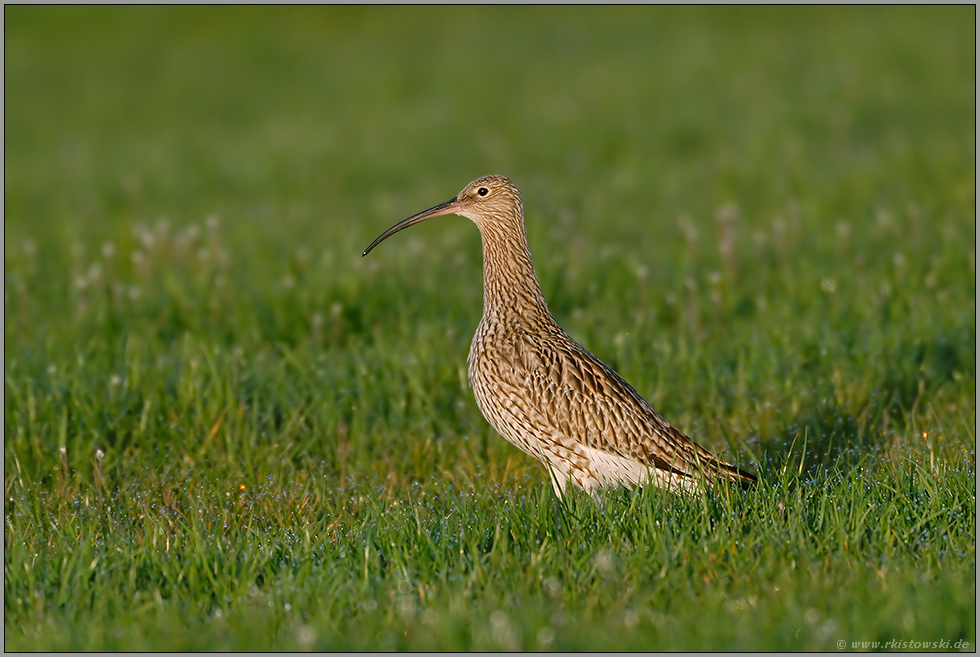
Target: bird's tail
column 714, row 468
column 732, row 473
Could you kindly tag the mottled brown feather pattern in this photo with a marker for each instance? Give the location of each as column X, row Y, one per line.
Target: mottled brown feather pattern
column 542, row 391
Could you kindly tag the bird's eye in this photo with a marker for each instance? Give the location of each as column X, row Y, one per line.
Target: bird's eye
column 483, row 191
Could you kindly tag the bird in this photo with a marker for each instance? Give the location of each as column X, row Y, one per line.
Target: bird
column 545, row 393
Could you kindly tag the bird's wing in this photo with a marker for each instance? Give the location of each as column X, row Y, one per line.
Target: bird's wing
column 584, row 398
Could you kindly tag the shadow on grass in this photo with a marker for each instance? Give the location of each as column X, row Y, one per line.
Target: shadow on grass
column 916, row 402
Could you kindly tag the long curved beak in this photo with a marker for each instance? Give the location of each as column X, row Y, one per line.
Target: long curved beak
column 449, row 207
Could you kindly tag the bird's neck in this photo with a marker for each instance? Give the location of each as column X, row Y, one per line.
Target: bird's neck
column 510, row 288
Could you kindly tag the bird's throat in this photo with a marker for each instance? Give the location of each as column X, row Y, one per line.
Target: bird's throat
column 509, row 283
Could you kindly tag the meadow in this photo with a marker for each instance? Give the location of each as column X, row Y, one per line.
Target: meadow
column 225, row 430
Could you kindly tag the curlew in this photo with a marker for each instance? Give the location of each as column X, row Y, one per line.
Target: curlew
column 542, row 391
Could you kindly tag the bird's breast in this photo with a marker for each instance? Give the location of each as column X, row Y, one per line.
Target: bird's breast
column 503, row 352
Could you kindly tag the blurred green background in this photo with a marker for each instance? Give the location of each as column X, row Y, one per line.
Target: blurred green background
column 763, row 218
column 737, row 180
column 343, row 119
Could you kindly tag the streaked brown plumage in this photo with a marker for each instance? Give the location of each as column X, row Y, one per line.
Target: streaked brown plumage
column 541, row 390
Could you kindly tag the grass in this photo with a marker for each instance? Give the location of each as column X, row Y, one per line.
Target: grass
column 223, row 429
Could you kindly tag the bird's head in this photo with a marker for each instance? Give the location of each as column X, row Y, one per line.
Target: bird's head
column 484, row 201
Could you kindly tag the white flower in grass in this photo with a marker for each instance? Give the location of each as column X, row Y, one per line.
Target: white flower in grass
column 552, row 587
column 305, row 637
column 727, row 213
column 316, row 322
column 778, row 228
column 145, row 237
column 187, row 236
column 604, row 562
column 884, row 219
column 503, row 632
column 826, row 630
column 688, row 228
